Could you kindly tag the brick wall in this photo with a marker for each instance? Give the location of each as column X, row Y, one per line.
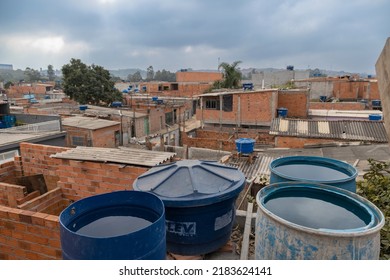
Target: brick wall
column 222, row 140
column 51, row 203
column 337, row 105
column 35, row 159
column 198, row 76
column 28, row 235
column 7, row 172
column 296, row 101
column 356, row 90
column 213, row 142
column 249, row 108
column 372, row 91
column 104, row 137
column 297, row 142
column 77, row 179
column 9, row 194
column 82, row 179
column 184, row 89
column 17, row 91
column 156, row 120
column 348, row 90
column 190, row 89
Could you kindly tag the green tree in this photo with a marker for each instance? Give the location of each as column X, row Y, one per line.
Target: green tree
column 149, row 73
column 50, row 72
column 32, row 75
column 135, row 78
column 165, row 76
column 375, row 186
column 8, row 85
column 231, row 75
column 88, row 84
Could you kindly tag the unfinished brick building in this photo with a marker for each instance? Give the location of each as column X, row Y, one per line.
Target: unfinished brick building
column 29, row 222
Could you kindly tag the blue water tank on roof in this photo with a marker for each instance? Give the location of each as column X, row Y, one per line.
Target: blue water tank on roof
column 245, row 145
column 248, row 86
column 116, row 104
column 374, row 117
column 282, row 112
column 376, row 103
column 199, row 199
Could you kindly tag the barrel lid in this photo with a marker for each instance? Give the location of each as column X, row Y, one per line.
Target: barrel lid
column 188, row 183
column 245, row 141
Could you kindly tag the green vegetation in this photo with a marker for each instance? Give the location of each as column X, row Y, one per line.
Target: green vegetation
column 50, row 73
column 89, row 84
column 134, row 78
column 231, row 75
column 31, row 75
column 376, row 188
column 288, row 85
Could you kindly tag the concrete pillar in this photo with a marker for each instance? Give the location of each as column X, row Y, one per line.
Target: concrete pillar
column 382, row 67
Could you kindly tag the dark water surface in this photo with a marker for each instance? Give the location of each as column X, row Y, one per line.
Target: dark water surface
column 113, row 226
column 314, row 213
column 311, row 172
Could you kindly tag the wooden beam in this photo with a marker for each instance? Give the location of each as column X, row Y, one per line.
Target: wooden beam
column 247, row 232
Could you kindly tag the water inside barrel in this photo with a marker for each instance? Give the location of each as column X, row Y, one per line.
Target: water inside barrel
column 311, row 172
column 113, row 221
column 113, row 226
column 315, row 213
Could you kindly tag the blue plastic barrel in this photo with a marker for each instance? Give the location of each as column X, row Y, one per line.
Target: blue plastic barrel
column 122, row 225
column 247, row 86
column 314, row 169
column 154, row 98
column 245, row 145
column 376, row 103
column 323, row 98
column 116, row 104
column 374, row 117
column 83, row 107
column 282, row 112
column 199, row 199
column 303, row 220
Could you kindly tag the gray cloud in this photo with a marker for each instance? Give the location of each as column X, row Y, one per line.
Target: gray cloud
column 174, row 34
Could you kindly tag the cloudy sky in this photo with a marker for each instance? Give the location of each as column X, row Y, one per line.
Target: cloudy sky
column 173, row 34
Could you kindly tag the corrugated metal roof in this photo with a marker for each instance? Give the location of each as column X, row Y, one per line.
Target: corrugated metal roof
column 371, row 131
column 88, row 123
column 259, row 167
column 121, row 155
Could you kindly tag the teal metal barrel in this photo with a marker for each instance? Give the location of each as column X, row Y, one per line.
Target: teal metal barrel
column 302, row 220
column 122, row 225
column 320, row 170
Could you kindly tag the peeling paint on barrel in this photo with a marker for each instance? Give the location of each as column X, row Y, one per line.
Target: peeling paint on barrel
column 279, row 239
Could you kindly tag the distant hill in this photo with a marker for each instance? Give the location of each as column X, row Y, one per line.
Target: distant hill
column 123, row 73
column 329, row 73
